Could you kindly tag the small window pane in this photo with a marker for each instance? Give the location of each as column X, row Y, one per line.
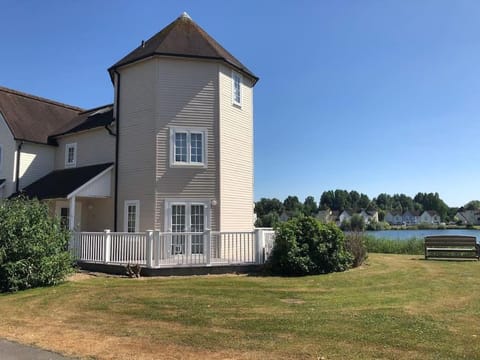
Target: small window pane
column 181, row 147
column 197, row 148
column 131, row 218
column 65, row 217
column 236, row 88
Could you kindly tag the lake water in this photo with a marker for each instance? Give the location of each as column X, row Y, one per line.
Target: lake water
column 420, row 234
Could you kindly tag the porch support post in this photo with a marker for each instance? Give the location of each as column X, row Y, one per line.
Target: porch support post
column 71, row 223
column 259, row 246
column 149, row 247
column 208, row 248
column 108, row 246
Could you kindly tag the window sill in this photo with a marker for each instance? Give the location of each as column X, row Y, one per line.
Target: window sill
column 192, row 166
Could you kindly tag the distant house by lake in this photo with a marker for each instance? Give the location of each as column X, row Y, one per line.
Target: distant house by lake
column 411, row 218
column 430, row 217
column 468, row 217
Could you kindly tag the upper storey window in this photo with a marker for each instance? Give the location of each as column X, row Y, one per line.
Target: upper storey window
column 71, row 155
column 236, row 88
column 188, row 146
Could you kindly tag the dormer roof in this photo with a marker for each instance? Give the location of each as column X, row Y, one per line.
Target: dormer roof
column 183, row 38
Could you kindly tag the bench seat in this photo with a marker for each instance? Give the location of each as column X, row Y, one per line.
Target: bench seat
column 456, row 246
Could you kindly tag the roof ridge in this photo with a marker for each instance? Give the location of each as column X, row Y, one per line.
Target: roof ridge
column 39, row 98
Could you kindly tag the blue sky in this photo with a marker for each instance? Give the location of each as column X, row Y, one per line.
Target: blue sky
column 373, row 96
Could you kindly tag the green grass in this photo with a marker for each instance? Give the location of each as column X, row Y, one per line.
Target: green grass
column 396, row 307
column 388, row 246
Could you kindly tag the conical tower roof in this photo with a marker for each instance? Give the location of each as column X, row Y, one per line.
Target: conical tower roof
column 183, row 38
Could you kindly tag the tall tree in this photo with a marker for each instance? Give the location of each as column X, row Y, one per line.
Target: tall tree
column 327, row 200
column 292, row 206
column 472, row 205
column 310, row 207
column 341, row 201
column 364, row 201
column 265, row 206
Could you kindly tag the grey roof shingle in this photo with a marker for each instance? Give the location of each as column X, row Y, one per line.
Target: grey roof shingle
column 183, row 38
column 32, row 118
column 60, row 183
column 90, row 119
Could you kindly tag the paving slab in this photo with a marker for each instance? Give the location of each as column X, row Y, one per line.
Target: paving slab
column 10, row 350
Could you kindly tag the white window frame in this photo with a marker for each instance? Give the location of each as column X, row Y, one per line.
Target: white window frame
column 188, row 207
column 1, row 158
column 67, row 148
column 235, row 76
column 128, row 203
column 189, row 131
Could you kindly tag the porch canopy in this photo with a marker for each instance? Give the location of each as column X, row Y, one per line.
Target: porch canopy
column 87, row 181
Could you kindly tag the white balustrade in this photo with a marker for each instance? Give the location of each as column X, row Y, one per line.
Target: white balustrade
column 154, row 249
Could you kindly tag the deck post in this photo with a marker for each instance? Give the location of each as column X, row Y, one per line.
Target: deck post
column 208, row 247
column 259, row 246
column 149, row 240
column 107, row 246
column 156, row 247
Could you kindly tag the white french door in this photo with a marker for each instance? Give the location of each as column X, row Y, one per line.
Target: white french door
column 188, row 221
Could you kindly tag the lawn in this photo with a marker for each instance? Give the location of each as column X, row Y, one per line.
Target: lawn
column 396, row 307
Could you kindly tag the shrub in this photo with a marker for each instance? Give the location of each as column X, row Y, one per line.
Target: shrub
column 32, row 246
column 388, row 246
column 305, row 246
column 378, row 225
column 355, row 245
column 357, row 223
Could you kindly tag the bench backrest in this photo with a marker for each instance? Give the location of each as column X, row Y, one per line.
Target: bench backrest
column 450, row 240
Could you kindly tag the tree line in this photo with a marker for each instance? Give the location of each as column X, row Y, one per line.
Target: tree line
column 269, row 211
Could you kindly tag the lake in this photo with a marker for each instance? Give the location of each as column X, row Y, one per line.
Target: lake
column 420, row 234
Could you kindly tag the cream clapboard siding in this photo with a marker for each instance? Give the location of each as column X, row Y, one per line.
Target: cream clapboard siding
column 36, row 161
column 7, row 168
column 136, row 164
column 94, row 146
column 187, row 96
column 236, row 156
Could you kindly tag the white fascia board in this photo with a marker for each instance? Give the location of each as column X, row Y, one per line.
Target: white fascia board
column 89, row 182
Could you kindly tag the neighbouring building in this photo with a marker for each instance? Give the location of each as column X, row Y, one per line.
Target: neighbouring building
column 430, row 217
column 469, row 217
column 411, row 218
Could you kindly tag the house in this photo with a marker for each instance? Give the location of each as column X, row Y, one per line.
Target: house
column 411, row 217
column 389, row 217
column 469, row 217
column 174, row 152
column 327, row 216
column 369, row 216
column 344, row 216
column 430, row 217
column 394, row 218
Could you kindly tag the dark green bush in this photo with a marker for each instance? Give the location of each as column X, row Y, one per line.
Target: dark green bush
column 32, row 246
column 304, row 246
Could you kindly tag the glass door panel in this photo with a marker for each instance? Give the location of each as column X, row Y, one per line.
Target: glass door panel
column 197, row 225
column 178, row 226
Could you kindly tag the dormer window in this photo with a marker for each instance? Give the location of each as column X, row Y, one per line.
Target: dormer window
column 70, row 155
column 236, row 88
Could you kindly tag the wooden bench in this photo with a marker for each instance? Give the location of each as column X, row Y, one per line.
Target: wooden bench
column 451, row 246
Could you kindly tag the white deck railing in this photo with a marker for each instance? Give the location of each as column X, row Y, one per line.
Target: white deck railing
column 156, row 249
